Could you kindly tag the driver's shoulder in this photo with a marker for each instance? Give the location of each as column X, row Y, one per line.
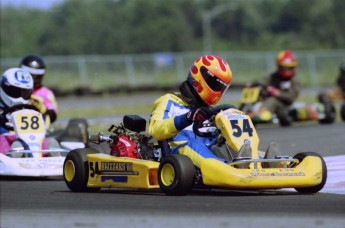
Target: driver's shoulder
column 175, row 97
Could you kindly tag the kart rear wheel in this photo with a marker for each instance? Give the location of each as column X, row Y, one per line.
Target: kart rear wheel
column 329, row 112
column 176, row 175
column 76, row 171
column 77, row 129
column 316, row 188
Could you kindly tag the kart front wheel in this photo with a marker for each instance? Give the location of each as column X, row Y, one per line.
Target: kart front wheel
column 76, row 171
column 316, row 188
column 176, row 175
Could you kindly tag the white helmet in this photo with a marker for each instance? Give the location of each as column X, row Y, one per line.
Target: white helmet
column 15, row 87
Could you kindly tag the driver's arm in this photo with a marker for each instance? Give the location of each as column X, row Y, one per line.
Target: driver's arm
column 46, row 105
column 289, row 95
column 164, row 123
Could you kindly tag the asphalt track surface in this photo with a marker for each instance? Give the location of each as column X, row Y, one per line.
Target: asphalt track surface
column 49, row 203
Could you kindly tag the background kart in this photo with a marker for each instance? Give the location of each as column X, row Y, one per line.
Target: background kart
column 251, row 103
column 176, row 174
column 31, row 152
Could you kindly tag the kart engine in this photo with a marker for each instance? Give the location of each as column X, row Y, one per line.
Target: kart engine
column 125, row 141
column 123, row 146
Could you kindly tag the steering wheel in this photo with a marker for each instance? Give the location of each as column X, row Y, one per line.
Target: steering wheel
column 198, row 126
column 13, row 109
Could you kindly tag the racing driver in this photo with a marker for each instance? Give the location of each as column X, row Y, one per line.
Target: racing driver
column 16, row 87
column 282, row 88
column 42, row 97
column 175, row 113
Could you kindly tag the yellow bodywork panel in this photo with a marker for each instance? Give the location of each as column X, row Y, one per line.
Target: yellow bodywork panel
column 106, row 171
column 250, row 95
column 305, row 174
column 238, row 129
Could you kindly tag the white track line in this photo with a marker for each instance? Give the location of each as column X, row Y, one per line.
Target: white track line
column 335, row 174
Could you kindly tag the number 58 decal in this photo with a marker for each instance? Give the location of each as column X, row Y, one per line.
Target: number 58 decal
column 28, row 122
column 239, row 130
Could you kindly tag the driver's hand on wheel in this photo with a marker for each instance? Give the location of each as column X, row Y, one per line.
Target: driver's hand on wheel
column 272, row 91
column 38, row 103
column 199, row 115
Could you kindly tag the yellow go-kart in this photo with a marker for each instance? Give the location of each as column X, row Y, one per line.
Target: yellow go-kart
column 133, row 161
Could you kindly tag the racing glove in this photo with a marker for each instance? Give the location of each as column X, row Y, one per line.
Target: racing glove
column 199, row 115
column 272, row 91
column 38, row 103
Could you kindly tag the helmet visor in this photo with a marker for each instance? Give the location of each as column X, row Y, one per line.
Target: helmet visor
column 16, row 92
column 37, row 80
column 283, row 68
column 212, row 81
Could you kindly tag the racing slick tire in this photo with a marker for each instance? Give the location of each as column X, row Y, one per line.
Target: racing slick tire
column 76, row 170
column 78, row 128
column 329, row 112
column 176, row 175
column 316, row 188
column 285, row 120
column 342, row 111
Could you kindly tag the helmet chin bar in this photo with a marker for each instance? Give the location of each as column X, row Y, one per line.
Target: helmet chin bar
column 286, row 74
column 17, row 101
column 9, row 101
column 187, row 90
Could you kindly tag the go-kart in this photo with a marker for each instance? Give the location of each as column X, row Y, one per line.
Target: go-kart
column 31, row 152
column 135, row 162
column 251, row 103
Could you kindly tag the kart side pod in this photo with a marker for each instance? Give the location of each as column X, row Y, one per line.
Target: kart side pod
column 310, row 173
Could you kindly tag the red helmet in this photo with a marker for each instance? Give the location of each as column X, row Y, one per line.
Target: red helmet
column 286, row 64
column 210, row 76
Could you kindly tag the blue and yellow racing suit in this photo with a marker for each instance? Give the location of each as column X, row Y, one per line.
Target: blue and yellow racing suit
column 168, row 122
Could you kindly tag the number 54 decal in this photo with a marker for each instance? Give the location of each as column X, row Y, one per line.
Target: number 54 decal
column 239, row 130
